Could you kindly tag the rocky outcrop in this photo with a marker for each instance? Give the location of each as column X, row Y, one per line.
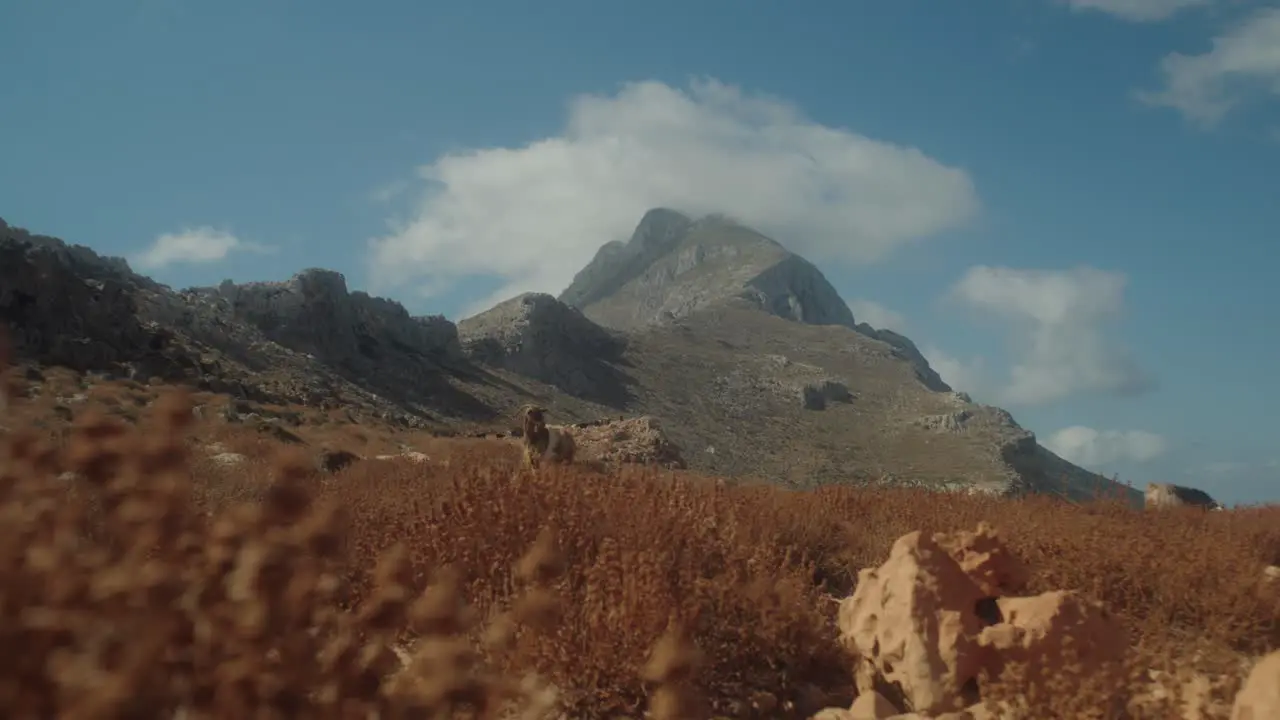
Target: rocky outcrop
column 66, row 305
column 639, row 441
column 1260, row 696
column 307, row 340
column 540, row 337
column 1035, row 469
column 944, row 611
column 314, row 312
column 941, row 611
column 1167, row 495
column 908, row 351
column 795, row 289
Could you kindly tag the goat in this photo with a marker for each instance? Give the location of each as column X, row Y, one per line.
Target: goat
column 544, row 442
column 1161, row 495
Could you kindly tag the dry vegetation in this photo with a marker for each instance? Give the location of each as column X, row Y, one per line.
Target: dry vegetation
column 156, row 582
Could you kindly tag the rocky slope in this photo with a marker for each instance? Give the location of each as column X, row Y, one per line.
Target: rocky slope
column 742, row 350
column 673, row 266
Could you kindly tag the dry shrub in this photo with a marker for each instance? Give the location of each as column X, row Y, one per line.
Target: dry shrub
column 157, row 583
column 128, row 602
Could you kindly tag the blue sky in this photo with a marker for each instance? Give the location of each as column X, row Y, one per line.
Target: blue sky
column 1070, row 205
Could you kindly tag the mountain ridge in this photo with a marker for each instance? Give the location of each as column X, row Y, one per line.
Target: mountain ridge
column 763, row 377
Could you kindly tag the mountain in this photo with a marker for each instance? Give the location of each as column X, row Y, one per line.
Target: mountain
column 742, row 350
column 674, row 266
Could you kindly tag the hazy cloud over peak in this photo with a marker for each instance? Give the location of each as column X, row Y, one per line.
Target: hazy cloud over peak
column 533, row 214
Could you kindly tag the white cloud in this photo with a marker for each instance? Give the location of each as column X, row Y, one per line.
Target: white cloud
column 193, row 246
column 1088, row 447
column 1205, row 87
column 533, row 215
column 877, row 315
column 968, row 376
column 1137, row 10
column 1057, row 320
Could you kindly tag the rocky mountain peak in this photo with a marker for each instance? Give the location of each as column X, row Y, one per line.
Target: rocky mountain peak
column 673, row 266
column 659, row 229
column 618, row 263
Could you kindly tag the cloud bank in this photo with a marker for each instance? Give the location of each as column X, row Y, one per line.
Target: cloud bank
column 877, row 316
column 1057, row 321
column 1089, row 447
column 1205, row 87
column 192, row 246
column 532, row 215
column 1137, row 10
column 968, row 376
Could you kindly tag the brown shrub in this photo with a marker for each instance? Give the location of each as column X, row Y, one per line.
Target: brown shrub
column 156, row 583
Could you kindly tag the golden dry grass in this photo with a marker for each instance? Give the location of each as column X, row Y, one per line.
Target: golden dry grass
column 158, row 581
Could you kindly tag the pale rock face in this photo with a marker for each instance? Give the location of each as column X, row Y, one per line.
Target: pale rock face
column 871, row 706
column 936, row 614
column 1260, row 696
column 640, row 441
column 315, row 312
column 228, row 459
column 919, row 594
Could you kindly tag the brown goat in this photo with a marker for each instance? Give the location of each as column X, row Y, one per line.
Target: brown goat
column 544, row 442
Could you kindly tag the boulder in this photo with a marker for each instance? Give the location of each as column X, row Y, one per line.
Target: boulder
column 932, row 618
column 1260, row 696
column 636, row 440
column 1166, row 495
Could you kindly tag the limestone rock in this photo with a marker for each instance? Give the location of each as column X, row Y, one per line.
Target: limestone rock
column 934, row 616
column 1260, row 696
column 412, row 456
column 635, row 440
column 871, row 706
column 1165, row 495
column 913, row 626
column 986, row 560
column 228, row 459
column 953, row 422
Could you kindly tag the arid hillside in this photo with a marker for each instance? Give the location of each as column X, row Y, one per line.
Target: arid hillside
column 741, row 351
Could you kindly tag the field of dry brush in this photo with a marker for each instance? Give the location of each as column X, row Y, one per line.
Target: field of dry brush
column 142, row 579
